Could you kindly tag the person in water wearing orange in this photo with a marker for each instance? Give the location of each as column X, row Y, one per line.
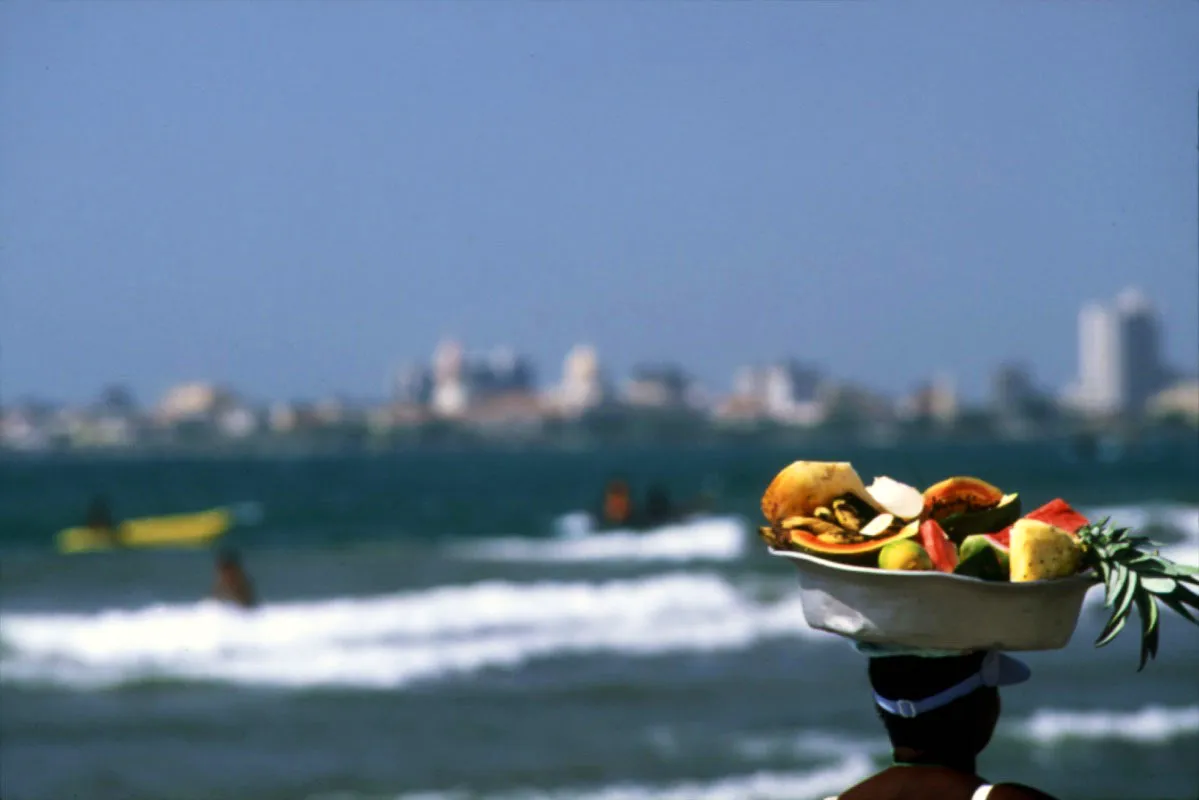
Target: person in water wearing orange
column 231, row 584
column 940, row 713
column 618, row 503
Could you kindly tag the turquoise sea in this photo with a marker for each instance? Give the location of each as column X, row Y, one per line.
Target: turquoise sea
column 441, row 625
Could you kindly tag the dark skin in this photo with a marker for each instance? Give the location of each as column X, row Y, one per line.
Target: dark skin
column 232, row 585
column 947, row 775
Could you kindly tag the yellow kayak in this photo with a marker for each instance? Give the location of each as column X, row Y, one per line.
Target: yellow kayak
column 176, row 530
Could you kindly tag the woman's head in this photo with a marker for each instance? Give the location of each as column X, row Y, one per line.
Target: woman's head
column 953, row 726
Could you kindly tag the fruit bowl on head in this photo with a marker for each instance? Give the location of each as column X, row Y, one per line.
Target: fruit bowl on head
column 937, row 610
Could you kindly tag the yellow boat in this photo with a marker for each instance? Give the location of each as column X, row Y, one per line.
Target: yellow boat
column 177, row 530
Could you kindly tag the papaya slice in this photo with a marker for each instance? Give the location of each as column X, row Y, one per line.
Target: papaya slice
column 833, row 545
column 959, row 495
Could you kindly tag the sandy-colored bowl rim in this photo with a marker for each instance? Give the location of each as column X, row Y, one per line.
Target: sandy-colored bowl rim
column 910, row 575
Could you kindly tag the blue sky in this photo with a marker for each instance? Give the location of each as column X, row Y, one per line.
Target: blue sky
column 296, row 198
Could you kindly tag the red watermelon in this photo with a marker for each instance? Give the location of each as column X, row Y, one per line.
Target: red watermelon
column 938, row 546
column 1056, row 512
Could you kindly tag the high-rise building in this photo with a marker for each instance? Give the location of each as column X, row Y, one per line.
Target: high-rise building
column 1141, row 374
column 1098, row 388
column 451, row 392
column 786, row 390
column 1119, row 358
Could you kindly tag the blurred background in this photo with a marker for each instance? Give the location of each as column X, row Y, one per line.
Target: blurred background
column 387, row 389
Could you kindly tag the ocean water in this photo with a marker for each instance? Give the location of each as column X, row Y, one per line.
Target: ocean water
column 443, row 626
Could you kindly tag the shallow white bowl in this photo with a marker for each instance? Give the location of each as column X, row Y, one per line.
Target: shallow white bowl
column 937, row 610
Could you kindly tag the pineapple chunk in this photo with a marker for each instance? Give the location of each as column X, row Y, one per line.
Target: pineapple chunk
column 1039, row 551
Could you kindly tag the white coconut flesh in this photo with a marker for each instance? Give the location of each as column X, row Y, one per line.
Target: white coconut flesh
column 880, row 524
column 905, row 502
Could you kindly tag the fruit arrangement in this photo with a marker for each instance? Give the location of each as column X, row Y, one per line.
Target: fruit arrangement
column 967, row 527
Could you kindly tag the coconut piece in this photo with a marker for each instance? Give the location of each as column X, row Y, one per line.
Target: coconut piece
column 905, row 502
column 880, row 524
column 804, row 486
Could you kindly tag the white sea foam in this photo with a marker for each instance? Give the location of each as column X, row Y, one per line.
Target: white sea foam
column 810, row 784
column 1149, row 725
column 1182, row 520
column 393, row 640
column 703, row 539
column 1152, row 724
column 807, row 744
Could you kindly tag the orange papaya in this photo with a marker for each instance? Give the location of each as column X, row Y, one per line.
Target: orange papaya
column 836, row 545
column 959, row 495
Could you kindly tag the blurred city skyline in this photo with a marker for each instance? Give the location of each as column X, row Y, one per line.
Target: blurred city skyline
column 298, row 199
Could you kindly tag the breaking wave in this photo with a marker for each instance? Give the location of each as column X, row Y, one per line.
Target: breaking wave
column 817, row 782
column 392, row 640
column 703, row 539
column 1152, row 724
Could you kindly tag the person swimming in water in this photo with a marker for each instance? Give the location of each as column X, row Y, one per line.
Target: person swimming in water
column 940, row 713
column 100, row 520
column 231, row 584
column 658, row 508
column 617, row 507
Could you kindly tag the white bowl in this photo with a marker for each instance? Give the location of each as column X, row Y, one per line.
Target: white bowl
column 938, row 610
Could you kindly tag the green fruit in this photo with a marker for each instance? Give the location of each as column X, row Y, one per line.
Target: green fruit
column 959, row 526
column 978, row 558
column 904, row 555
column 972, row 545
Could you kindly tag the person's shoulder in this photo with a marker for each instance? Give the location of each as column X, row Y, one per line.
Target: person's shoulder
column 1017, row 791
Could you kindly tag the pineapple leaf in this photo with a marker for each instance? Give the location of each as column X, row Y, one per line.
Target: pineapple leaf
column 1147, row 610
column 1119, row 616
column 1131, row 590
column 1117, row 578
column 1186, row 596
column 1105, row 573
column 1113, row 574
column 1135, row 572
column 1178, row 608
column 1158, row 585
column 1161, row 566
column 1113, row 627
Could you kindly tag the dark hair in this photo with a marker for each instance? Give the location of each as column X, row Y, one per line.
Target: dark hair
column 963, row 727
column 227, row 557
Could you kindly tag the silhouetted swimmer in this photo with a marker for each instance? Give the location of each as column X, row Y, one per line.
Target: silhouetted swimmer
column 100, row 520
column 658, row 508
column 940, row 714
column 232, row 585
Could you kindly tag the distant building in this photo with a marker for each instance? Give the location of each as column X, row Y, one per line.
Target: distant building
column 413, row 386
column 663, row 386
column 787, row 391
column 1180, row 401
column 1119, row 356
column 1141, row 372
column 460, row 382
column 583, row 385
column 116, row 400
column 500, row 373
column 194, row 402
column 1013, row 392
column 451, row 392
column 932, row 401
column 844, row 404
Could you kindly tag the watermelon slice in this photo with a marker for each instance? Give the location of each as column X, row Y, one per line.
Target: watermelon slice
column 938, row 546
column 1056, row 512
